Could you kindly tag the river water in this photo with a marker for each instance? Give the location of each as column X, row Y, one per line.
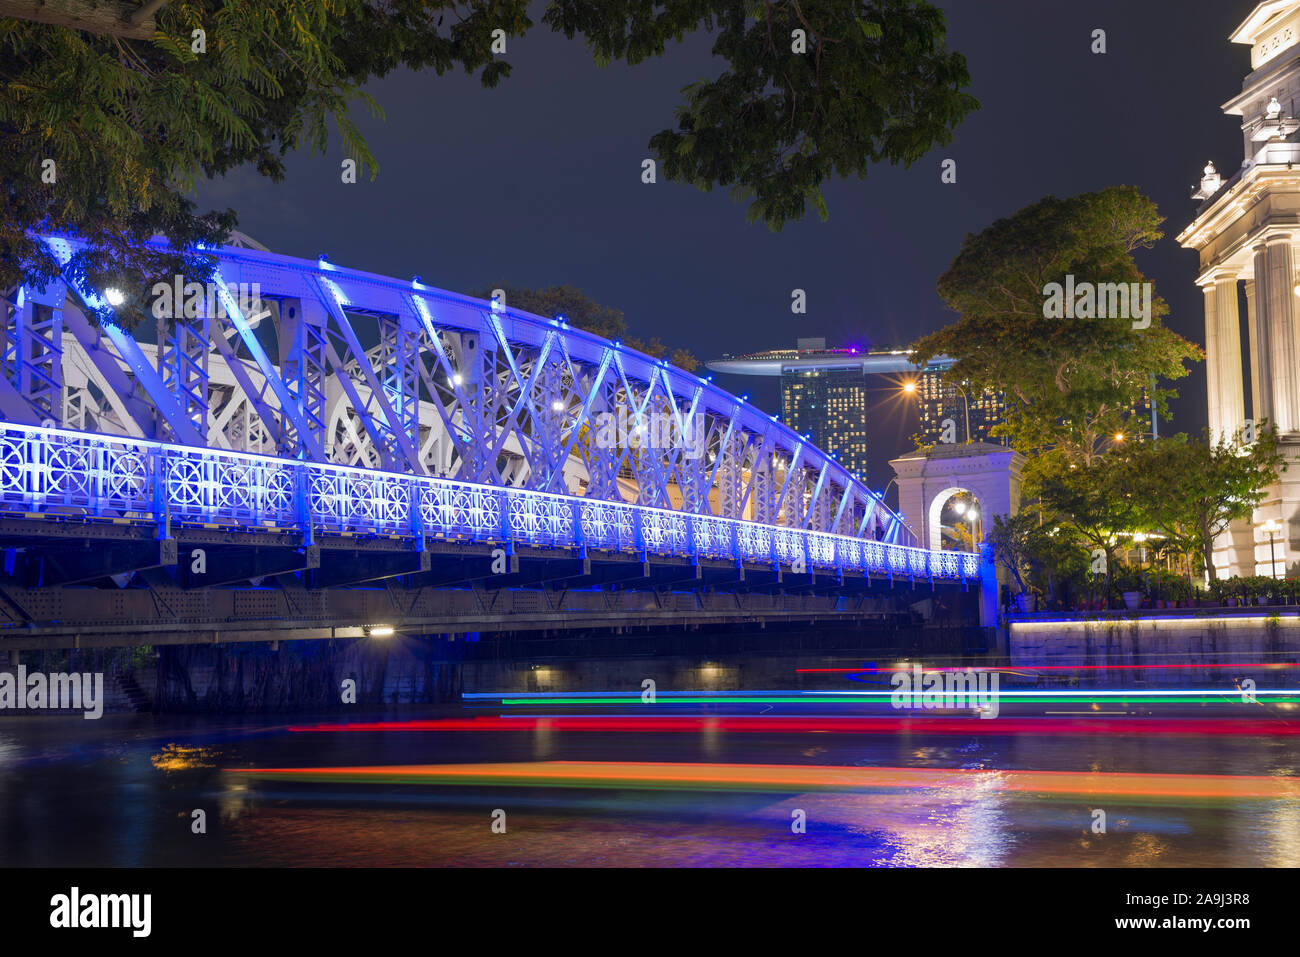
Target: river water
column 1017, row 791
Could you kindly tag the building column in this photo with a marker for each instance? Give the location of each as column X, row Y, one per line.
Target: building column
column 1275, row 304
column 1225, row 386
column 1259, row 381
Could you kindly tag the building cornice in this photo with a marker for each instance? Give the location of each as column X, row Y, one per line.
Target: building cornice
column 1228, row 207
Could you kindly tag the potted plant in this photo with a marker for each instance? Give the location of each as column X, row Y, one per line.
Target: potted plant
column 1172, row 588
column 1261, row 588
column 1232, row 590
column 1290, row 590
column 1217, row 592
column 1129, row 582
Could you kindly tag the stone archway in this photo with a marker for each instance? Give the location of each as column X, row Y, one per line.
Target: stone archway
column 934, row 515
column 927, row 480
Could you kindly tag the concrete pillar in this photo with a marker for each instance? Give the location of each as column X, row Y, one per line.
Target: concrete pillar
column 1275, row 303
column 990, row 612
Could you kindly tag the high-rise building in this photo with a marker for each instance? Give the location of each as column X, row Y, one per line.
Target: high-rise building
column 830, row 407
column 823, row 393
column 951, row 412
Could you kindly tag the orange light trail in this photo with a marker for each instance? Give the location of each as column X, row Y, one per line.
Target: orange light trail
column 798, row 779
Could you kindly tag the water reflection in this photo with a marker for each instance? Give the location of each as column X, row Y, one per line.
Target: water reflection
column 121, row 793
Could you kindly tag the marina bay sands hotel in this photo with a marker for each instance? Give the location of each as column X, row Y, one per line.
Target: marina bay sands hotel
column 833, row 396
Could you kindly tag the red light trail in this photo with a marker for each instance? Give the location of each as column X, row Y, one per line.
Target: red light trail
column 820, row 725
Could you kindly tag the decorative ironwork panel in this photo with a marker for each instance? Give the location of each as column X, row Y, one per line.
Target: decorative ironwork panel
column 45, row 470
column 609, row 525
column 541, row 519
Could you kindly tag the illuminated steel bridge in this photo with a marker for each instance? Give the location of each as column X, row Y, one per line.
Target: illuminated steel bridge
column 303, row 428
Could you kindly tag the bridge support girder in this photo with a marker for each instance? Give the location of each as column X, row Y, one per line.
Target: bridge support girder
column 207, row 565
column 70, row 563
column 540, row 571
column 343, row 566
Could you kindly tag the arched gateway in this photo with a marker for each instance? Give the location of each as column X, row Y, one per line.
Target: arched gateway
column 931, row 479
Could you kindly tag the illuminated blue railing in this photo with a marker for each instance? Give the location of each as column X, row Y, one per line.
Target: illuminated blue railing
column 60, row 473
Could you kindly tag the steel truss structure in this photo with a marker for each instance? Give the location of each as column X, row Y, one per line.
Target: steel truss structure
column 340, row 401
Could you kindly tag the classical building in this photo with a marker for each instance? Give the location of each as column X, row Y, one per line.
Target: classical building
column 1246, row 231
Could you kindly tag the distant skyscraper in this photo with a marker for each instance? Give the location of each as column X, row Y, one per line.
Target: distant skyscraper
column 941, row 403
column 829, row 405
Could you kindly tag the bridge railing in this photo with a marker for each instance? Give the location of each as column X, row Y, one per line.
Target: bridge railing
column 53, row 473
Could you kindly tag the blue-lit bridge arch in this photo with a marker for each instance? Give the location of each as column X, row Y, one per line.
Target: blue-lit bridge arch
column 338, row 402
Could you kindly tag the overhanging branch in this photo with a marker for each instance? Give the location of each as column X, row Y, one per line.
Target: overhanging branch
column 116, row 18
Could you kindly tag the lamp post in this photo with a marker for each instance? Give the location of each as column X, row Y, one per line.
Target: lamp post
column 1272, row 527
column 966, row 400
column 970, row 513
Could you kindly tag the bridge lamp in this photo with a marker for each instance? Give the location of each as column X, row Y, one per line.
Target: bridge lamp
column 114, row 297
column 457, row 379
column 909, row 386
column 557, row 406
column 380, row 631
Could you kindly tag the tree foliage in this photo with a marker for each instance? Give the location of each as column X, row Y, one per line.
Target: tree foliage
column 1092, row 505
column 1189, row 490
column 1070, row 383
column 132, row 124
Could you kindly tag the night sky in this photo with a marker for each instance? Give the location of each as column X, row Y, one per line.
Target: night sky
column 538, row 182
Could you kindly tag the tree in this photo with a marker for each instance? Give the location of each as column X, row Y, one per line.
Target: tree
column 582, row 312
column 1071, row 379
column 104, row 128
column 1089, row 503
column 1012, row 538
column 1190, row 490
column 1039, row 555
